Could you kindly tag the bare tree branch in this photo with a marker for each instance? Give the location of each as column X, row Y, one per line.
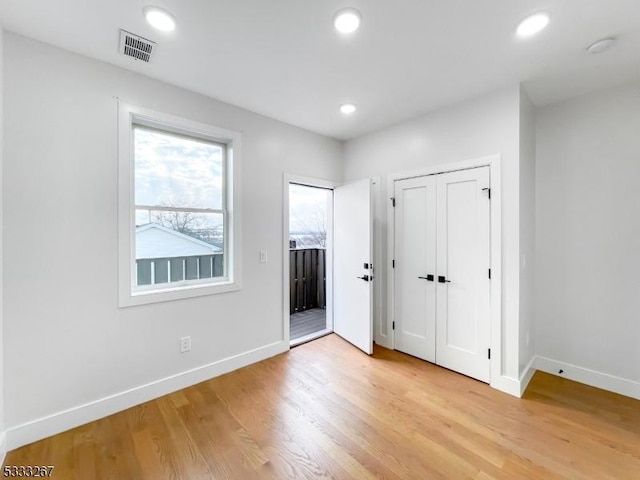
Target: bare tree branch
column 313, row 226
column 183, row 222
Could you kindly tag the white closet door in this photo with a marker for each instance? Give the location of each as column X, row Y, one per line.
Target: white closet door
column 352, row 278
column 463, row 261
column 415, row 267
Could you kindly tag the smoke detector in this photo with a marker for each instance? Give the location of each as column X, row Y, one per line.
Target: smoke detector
column 136, row 46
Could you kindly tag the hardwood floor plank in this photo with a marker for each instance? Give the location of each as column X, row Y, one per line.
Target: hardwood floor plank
column 280, row 432
column 327, row 411
column 185, row 446
column 359, row 435
column 117, row 437
column 147, row 453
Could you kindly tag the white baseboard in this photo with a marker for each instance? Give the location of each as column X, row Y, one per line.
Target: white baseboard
column 515, row 386
column 73, row 417
column 383, row 341
column 507, row 385
column 593, row 378
column 527, row 375
column 3, row 447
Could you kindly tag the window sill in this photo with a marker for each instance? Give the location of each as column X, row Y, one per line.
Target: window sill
column 175, row 293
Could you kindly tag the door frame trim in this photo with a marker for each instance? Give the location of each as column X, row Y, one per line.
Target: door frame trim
column 288, row 179
column 495, row 303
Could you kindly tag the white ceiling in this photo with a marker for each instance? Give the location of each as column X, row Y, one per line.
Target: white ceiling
column 283, row 59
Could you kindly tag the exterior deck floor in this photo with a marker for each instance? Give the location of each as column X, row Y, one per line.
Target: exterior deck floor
column 307, row 322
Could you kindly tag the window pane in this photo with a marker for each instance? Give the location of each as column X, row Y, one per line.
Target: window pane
column 182, row 245
column 202, row 226
column 174, row 171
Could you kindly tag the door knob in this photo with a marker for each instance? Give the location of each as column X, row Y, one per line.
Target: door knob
column 428, row 278
column 441, row 279
column 364, row 277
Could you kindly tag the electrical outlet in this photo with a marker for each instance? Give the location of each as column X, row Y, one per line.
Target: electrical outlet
column 263, row 256
column 185, row 344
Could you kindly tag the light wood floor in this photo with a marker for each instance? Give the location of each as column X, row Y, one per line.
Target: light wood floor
column 325, row 410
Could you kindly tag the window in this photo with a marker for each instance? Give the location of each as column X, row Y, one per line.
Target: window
column 178, row 225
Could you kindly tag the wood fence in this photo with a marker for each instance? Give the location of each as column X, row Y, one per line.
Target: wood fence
column 176, row 269
column 307, row 279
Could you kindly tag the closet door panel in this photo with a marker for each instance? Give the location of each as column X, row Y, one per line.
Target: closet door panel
column 415, row 263
column 463, row 287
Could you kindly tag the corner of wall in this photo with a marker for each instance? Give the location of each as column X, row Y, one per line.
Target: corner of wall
column 527, row 374
column 527, row 157
column 3, row 446
column 506, row 384
column 586, row 175
column 3, row 449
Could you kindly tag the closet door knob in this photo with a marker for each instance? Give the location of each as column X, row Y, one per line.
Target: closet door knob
column 441, row 279
column 428, row 278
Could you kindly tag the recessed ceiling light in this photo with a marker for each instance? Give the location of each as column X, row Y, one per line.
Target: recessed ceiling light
column 348, row 108
column 159, row 19
column 602, row 45
column 347, row 20
column 533, row 24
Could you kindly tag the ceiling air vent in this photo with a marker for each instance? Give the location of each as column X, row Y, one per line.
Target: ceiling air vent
column 137, row 47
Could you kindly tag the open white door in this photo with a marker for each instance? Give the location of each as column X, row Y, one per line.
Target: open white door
column 353, row 287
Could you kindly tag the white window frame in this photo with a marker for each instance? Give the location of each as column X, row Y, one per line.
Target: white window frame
column 128, row 116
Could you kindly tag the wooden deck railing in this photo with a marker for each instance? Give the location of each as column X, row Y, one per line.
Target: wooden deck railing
column 307, row 279
column 151, row 271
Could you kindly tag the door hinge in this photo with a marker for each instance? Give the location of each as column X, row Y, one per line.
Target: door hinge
column 488, row 190
column 393, row 201
column 489, row 353
column 393, row 325
column 489, row 274
column 393, row 264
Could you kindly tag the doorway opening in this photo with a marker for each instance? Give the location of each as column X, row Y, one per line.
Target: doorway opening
column 310, row 237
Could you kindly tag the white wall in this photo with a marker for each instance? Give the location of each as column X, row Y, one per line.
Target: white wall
column 588, row 231
column 472, row 129
column 2, row 433
column 527, row 231
column 66, row 342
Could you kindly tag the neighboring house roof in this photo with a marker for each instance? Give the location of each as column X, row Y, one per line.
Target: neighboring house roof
column 156, row 241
